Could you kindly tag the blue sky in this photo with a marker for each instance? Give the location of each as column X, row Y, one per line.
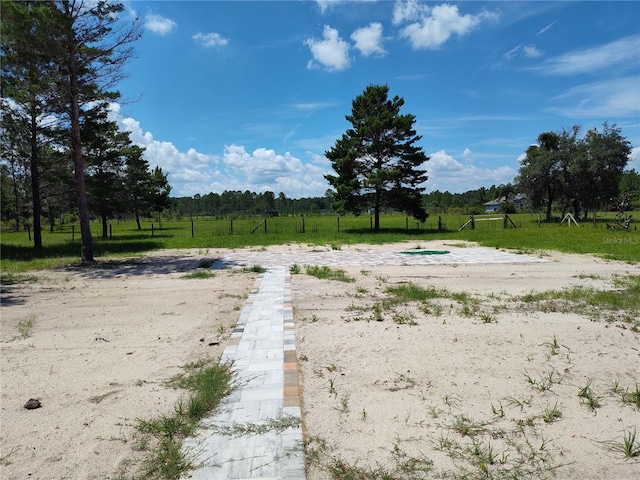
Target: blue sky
column 249, row 95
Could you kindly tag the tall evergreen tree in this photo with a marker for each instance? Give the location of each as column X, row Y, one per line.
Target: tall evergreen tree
column 28, row 79
column 160, row 190
column 103, row 148
column 137, row 182
column 14, row 152
column 95, row 45
column 376, row 161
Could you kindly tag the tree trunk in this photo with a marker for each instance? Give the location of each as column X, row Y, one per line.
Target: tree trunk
column 105, row 233
column 35, row 182
column 16, row 195
column 549, row 203
column 376, row 213
column 548, row 215
column 138, row 220
column 86, row 249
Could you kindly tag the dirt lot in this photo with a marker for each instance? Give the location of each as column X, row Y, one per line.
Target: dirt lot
column 462, row 383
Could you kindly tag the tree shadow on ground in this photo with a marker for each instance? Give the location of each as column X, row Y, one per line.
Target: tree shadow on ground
column 21, row 253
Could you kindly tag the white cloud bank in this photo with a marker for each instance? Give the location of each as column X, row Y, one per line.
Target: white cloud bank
column 447, row 173
column 264, row 169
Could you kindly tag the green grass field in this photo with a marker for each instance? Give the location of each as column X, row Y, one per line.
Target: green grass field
column 62, row 247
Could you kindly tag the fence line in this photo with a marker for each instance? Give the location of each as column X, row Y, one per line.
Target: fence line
column 210, row 227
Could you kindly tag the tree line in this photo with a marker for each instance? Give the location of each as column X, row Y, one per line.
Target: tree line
column 60, row 150
column 238, row 203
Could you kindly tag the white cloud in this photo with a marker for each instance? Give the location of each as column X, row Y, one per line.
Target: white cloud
column 263, row 170
column 181, row 168
column 608, row 99
column 512, row 53
column 159, row 24
column 368, row 40
column 210, row 40
column 621, row 53
column 634, row 160
column 313, row 106
column 468, row 156
column 529, row 51
column 447, row 173
column 325, row 5
column 262, row 166
column 332, row 52
column 434, row 26
column 408, row 11
column 544, row 29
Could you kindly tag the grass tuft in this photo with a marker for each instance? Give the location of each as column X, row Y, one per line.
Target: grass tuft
column 26, row 326
column 199, row 275
column 628, row 446
column 209, row 383
column 327, row 273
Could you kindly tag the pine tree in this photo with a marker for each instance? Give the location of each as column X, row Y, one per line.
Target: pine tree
column 376, row 161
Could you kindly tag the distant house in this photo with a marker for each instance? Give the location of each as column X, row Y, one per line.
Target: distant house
column 492, row 206
column 520, row 201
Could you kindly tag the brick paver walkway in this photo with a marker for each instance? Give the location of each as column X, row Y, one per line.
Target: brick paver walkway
column 241, row 441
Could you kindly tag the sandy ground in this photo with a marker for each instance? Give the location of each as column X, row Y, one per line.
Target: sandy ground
column 441, row 390
column 104, row 342
column 375, row 393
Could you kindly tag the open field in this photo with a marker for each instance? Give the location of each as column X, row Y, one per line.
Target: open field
column 442, row 371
